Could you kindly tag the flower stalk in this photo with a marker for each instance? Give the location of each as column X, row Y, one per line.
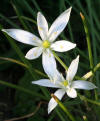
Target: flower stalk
column 89, row 100
column 89, row 46
column 63, row 108
column 88, row 40
column 60, row 61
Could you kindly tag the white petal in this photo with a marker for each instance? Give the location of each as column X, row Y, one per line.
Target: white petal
column 23, row 36
column 71, row 92
column 52, row 103
column 58, row 77
column 72, row 69
column 34, row 53
column 45, row 83
column 62, row 46
column 42, row 26
column 79, row 84
column 49, row 63
column 59, row 24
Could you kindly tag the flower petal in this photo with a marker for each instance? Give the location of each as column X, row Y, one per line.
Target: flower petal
column 23, row 36
column 45, row 83
column 34, row 53
column 42, row 26
column 72, row 69
column 49, row 63
column 52, row 103
column 79, row 84
column 58, row 77
column 62, row 46
column 71, row 92
column 59, row 24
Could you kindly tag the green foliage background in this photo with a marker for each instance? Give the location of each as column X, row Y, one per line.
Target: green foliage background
column 18, row 97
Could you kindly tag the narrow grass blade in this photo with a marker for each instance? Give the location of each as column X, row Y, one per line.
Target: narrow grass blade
column 22, row 89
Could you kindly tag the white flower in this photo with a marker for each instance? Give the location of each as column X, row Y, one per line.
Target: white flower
column 46, row 43
column 66, row 85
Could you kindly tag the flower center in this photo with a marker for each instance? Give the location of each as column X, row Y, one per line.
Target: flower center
column 46, row 44
column 65, row 83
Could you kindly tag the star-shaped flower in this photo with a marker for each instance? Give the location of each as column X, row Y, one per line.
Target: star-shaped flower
column 66, row 85
column 46, row 43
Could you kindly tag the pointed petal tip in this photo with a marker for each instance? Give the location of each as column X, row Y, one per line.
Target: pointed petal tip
column 51, row 107
column 3, row 30
column 49, row 111
column 95, row 87
column 69, row 9
column 35, row 82
column 32, row 82
column 74, row 45
column 78, row 56
column 81, row 84
column 27, row 57
column 38, row 13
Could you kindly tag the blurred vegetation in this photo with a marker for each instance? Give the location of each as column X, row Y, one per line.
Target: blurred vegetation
column 18, row 97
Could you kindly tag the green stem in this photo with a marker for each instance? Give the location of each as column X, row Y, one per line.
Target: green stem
column 23, row 89
column 89, row 100
column 63, row 107
column 63, row 64
column 9, row 21
column 24, row 65
column 93, row 41
column 60, row 61
column 28, row 19
column 88, row 41
column 60, row 115
column 89, row 47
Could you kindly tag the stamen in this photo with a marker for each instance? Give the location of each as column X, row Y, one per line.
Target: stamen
column 46, row 44
column 65, row 83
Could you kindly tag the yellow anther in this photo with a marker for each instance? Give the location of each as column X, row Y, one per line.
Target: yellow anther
column 46, row 44
column 65, row 83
